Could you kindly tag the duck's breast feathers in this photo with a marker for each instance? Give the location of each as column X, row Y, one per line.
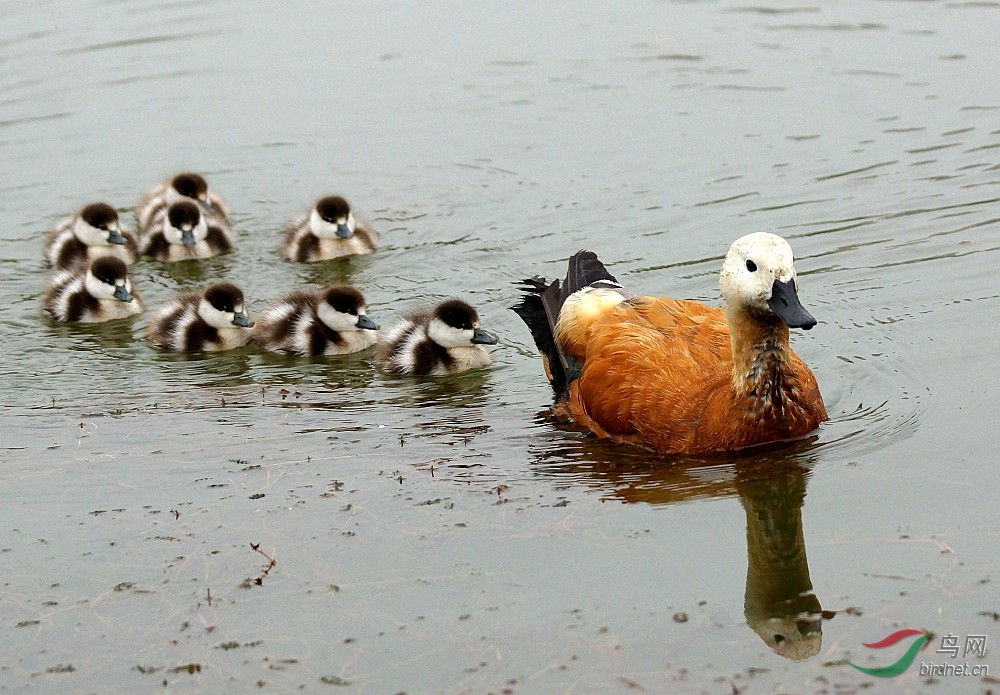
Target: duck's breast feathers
column 808, row 395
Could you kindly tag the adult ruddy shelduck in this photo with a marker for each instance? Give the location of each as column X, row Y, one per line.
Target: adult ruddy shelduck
column 676, row 376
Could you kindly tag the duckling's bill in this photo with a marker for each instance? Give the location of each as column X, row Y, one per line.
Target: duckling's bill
column 481, row 337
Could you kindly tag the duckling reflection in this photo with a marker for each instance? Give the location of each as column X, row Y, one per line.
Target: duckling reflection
column 468, row 390
column 205, row 371
column 339, row 271
column 779, row 604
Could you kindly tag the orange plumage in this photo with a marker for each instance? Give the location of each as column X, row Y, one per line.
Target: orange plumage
column 679, row 377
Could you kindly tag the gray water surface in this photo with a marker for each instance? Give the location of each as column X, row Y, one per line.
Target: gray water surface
column 448, row 536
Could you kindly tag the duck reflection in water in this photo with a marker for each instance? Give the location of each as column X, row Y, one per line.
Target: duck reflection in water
column 779, row 603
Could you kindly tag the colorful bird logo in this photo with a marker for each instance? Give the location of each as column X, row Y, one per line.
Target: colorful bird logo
column 904, row 661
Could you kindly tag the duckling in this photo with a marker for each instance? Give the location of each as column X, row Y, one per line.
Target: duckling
column 102, row 292
column 330, row 230
column 181, row 232
column 92, row 232
column 332, row 321
column 446, row 340
column 212, row 320
column 185, row 186
column 676, row 376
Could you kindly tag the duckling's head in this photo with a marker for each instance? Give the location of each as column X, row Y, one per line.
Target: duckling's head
column 188, row 185
column 97, row 225
column 758, row 278
column 456, row 324
column 332, row 217
column 184, row 224
column 222, row 306
column 107, row 278
column 342, row 309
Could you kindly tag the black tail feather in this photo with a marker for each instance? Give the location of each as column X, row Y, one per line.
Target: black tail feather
column 539, row 309
column 532, row 310
column 585, row 269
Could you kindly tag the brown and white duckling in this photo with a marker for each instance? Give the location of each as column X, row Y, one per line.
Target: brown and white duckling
column 185, row 186
column 330, row 230
column 102, row 292
column 92, row 232
column 214, row 319
column 332, row 321
column 446, row 340
column 182, row 232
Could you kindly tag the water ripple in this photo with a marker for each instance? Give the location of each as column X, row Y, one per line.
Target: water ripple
column 139, row 41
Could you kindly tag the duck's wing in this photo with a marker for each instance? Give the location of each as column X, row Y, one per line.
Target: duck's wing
column 651, row 369
column 686, row 323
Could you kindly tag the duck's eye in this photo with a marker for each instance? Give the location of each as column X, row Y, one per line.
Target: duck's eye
column 751, row 266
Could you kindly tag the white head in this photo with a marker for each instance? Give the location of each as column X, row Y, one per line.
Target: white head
column 107, row 278
column 184, row 224
column 342, row 309
column 331, row 218
column 97, row 225
column 758, row 278
column 221, row 306
column 456, row 324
